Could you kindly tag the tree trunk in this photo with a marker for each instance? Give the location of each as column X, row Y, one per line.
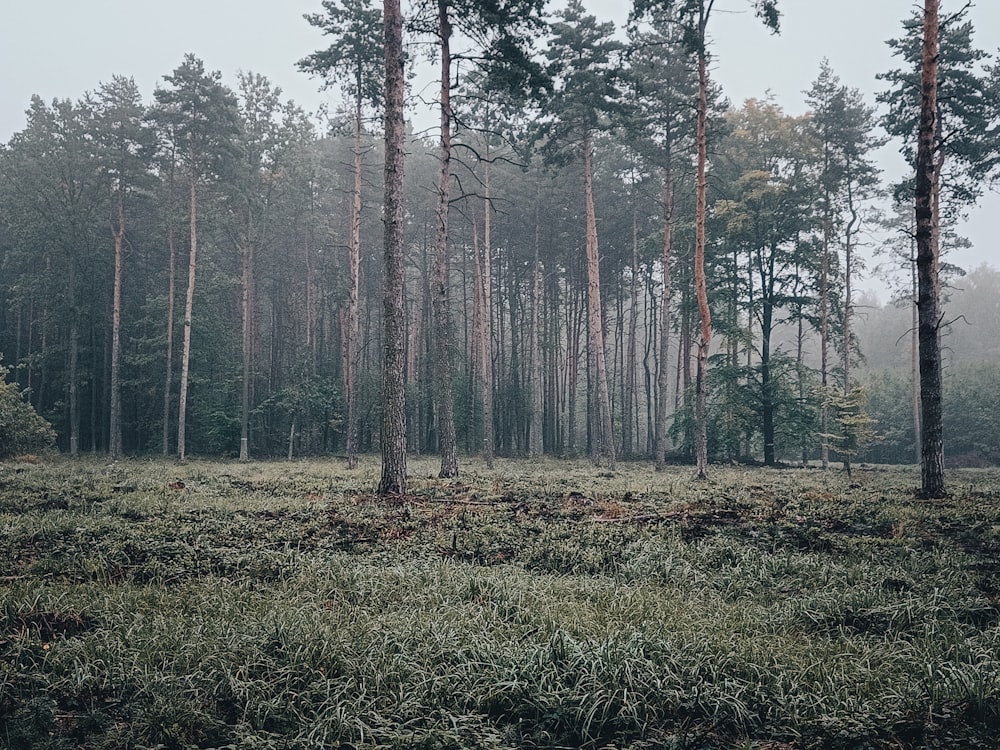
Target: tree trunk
column 74, row 364
column 188, row 308
column 915, row 362
column 700, row 282
column 630, row 380
column 353, row 324
column 594, row 317
column 443, row 390
column 246, row 316
column 536, row 443
column 928, row 283
column 115, row 438
column 171, row 291
column 663, row 374
column 393, row 481
column 824, row 330
column 486, row 338
column 848, row 291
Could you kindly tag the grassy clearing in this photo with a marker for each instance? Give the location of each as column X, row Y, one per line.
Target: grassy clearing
column 280, row 605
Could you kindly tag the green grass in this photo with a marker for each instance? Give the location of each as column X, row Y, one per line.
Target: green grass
column 281, row 605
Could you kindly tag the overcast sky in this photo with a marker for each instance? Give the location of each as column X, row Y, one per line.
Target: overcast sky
column 62, row 48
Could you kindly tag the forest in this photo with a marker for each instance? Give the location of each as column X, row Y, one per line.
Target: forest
column 199, row 270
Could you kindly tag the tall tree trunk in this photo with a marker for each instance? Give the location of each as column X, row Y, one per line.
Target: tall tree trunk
column 115, row 426
column 246, row 315
column 171, row 293
column 486, row 340
column 188, row 309
column 393, row 481
column 353, row 323
column 74, row 364
column 630, row 402
column 663, row 374
column 848, row 290
column 928, row 283
column 824, row 329
column 594, row 317
column 700, row 282
column 443, row 390
column 536, row 443
column 915, row 360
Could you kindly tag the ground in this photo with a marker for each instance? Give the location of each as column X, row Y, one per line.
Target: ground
column 539, row 604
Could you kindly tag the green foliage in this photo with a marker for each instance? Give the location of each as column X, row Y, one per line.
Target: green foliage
column 22, row 430
column 854, row 428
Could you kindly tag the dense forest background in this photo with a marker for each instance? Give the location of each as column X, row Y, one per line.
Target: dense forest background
column 226, row 217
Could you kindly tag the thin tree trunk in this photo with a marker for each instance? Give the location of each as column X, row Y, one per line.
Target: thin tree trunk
column 74, row 365
column 188, row 309
column 848, row 290
column 824, row 332
column 630, row 389
column 486, row 340
column 443, row 390
column 700, row 282
column 353, row 322
column 594, row 317
column 393, row 481
column 928, row 282
column 915, row 362
column 663, row 375
column 115, row 438
column 247, row 339
column 536, row 443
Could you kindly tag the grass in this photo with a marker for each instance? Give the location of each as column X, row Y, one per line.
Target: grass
column 147, row 604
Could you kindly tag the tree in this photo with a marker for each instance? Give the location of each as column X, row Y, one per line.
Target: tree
column 694, row 16
column 766, row 216
column 201, row 115
column 393, row 481
column 928, row 288
column 587, row 92
column 664, row 87
column 126, row 144
column 844, row 125
column 354, row 60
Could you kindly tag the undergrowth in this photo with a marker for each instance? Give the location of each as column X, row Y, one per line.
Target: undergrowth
column 551, row 605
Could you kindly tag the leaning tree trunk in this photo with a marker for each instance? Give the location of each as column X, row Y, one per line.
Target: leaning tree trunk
column 115, row 438
column 700, row 282
column 393, row 481
column 594, row 317
column 443, row 390
column 188, row 308
column 928, row 288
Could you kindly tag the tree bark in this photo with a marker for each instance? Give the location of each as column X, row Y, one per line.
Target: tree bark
column 171, row 292
column 700, row 282
column 928, row 283
column 353, row 324
column 188, row 309
column 663, row 374
column 594, row 317
column 246, row 316
column 486, row 339
column 115, row 426
column 393, row 481
column 443, row 390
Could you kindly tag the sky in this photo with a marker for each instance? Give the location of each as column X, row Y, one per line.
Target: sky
column 63, row 48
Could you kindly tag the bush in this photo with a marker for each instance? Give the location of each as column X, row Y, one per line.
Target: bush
column 22, row 430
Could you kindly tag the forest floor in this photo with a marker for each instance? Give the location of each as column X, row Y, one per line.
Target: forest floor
column 541, row 604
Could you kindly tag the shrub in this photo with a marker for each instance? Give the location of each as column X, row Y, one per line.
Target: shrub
column 22, row 430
